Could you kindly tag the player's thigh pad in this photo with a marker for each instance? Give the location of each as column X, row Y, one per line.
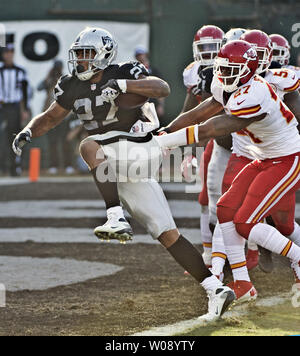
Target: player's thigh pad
column 277, row 179
column 131, row 157
column 283, row 214
column 146, row 202
column 235, row 195
column 234, row 166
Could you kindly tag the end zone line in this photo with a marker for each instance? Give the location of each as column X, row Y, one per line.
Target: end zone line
column 188, row 325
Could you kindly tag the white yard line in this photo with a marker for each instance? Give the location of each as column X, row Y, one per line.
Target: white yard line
column 172, row 187
column 13, row 181
column 185, row 326
column 70, row 209
column 71, row 235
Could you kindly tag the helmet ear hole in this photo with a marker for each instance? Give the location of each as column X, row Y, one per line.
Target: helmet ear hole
column 107, row 55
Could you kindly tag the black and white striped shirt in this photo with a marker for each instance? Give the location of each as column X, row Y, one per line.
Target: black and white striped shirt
column 13, row 85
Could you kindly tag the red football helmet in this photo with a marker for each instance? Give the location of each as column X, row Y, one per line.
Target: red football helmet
column 263, row 45
column 235, row 64
column 207, row 43
column 281, row 49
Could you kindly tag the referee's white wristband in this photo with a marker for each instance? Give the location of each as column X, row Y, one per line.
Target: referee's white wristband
column 122, row 85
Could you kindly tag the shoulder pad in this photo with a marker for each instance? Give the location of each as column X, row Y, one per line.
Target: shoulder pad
column 284, row 79
column 190, row 74
column 251, row 99
column 67, row 80
column 132, row 70
column 64, row 91
column 295, row 69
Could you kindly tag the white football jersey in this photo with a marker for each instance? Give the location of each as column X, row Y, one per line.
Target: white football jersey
column 293, row 68
column 283, row 81
column 274, row 136
column 190, row 74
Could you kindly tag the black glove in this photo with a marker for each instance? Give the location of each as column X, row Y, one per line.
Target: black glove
column 20, row 141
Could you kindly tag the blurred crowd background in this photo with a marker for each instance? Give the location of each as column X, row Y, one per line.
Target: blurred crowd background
column 158, row 33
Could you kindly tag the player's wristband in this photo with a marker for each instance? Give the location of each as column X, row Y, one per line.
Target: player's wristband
column 122, row 85
column 27, row 130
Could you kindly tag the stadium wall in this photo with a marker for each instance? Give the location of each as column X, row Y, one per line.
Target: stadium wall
column 172, row 25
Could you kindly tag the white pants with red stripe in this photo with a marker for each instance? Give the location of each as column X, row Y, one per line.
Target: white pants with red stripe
column 261, row 189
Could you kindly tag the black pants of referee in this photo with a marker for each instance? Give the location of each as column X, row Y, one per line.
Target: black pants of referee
column 10, row 115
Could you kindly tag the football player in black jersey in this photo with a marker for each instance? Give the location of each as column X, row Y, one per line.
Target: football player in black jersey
column 91, row 91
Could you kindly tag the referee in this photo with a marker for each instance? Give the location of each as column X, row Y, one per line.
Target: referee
column 13, row 101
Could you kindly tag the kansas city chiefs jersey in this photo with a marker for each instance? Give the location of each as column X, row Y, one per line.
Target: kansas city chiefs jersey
column 283, row 81
column 295, row 69
column 274, row 136
column 190, row 75
column 84, row 98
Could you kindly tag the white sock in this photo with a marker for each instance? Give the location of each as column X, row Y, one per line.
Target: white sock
column 235, row 250
column 211, row 283
column 183, row 137
column 295, row 236
column 271, row 239
column 205, row 231
column 116, row 211
column 218, row 252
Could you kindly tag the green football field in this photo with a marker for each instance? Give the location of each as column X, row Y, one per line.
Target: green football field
column 280, row 320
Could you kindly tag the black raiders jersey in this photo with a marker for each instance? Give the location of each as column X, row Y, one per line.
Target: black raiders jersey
column 84, row 98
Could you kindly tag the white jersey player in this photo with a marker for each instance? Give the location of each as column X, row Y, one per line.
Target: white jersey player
column 206, row 45
column 267, row 185
column 281, row 52
column 197, row 79
column 283, row 81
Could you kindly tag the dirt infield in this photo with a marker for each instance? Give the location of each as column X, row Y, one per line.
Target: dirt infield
column 151, row 290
